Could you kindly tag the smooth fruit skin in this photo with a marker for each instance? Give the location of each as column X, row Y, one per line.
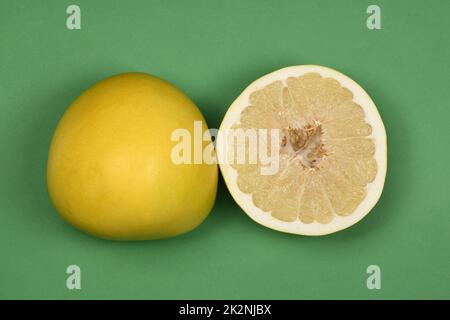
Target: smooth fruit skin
column 110, row 171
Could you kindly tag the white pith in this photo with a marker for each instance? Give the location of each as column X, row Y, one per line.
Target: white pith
column 374, row 188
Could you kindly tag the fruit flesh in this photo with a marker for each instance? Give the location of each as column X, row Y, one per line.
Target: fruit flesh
column 110, row 171
column 326, row 150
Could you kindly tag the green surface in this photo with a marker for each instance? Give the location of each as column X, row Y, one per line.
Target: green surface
column 212, row 50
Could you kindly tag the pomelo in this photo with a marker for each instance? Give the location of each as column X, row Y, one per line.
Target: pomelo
column 110, row 171
column 331, row 151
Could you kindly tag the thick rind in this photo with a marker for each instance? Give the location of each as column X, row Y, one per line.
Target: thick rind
column 374, row 189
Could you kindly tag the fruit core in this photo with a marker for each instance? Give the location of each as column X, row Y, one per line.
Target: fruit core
column 305, row 143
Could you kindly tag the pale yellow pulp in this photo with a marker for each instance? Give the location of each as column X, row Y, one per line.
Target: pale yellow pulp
column 326, row 150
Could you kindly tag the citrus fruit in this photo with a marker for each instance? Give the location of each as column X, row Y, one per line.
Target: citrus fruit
column 110, row 170
column 330, row 148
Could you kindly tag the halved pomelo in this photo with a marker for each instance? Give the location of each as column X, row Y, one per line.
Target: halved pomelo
column 331, row 148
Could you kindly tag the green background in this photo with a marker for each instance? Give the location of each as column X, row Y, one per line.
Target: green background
column 212, row 50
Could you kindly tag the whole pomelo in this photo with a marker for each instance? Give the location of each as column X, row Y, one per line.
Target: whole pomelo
column 110, row 171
